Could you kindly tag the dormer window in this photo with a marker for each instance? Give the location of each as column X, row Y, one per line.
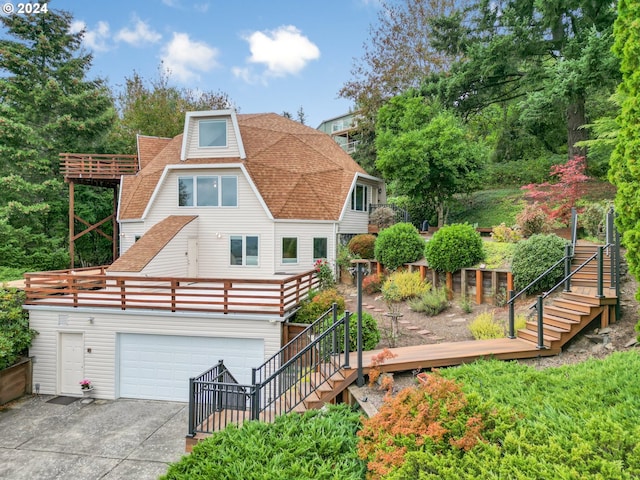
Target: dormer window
column 212, row 133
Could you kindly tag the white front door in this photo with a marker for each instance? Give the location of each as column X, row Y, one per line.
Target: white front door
column 71, row 362
column 192, row 257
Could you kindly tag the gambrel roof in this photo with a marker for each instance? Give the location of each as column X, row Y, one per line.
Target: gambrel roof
column 300, row 173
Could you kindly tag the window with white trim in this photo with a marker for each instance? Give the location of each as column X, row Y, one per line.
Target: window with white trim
column 208, row 191
column 243, row 250
column 212, row 133
column 290, row 250
column 360, row 198
column 320, row 248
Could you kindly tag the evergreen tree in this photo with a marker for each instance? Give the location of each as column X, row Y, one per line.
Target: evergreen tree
column 625, row 170
column 47, row 106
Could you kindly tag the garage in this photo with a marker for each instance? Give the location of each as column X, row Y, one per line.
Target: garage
column 158, row 367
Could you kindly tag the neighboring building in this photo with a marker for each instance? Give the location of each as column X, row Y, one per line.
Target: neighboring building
column 342, row 129
column 219, row 231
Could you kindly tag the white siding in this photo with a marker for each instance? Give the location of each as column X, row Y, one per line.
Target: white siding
column 195, row 151
column 305, row 233
column 216, row 224
column 171, row 261
column 100, row 339
column 128, row 233
column 353, row 221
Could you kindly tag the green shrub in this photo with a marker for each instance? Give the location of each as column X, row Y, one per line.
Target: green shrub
column 399, row 244
column 370, row 332
column 505, row 234
column 362, row 246
column 454, row 247
column 324, row 272
column 319, row 444
column 485, row 327
column 15, row 334
column 532, row 220
column 406, row 284
column 372, row 283
column 498, row 255
column 535, row 255
column 432, row 302
column 383, row 217
column 593, row 219
column 312, row 308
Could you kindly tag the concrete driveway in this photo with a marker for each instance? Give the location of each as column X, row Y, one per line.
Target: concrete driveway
column 121, row 439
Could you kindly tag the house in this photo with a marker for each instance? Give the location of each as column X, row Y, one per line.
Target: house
column 342, row 130
column 219, row 230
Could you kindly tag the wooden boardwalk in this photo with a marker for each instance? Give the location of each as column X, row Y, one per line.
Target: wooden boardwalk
column 448, row 354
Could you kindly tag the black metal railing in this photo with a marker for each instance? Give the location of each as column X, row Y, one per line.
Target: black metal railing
column 279, row 385
column 400, row 214
column 612, row 249
column 216, row 398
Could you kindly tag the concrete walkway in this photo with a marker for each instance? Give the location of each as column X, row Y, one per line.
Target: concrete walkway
column 121, row 439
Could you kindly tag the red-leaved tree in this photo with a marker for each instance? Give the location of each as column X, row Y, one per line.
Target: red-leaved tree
column 557, row 199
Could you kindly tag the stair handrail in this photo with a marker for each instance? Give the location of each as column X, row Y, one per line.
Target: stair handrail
column 283, row 391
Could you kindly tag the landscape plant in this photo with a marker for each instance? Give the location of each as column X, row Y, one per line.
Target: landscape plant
column 454, row 247
column 370, row 332
column 561, row 425
column 312, row 308
column 534, row 256
column 558, row 198
column 372, row 283
column 318, row 444
column 485, row 326
column 383, row 217
column 399, row 244
column 435, row 418
column 431, row 302
column 533, row 219
column 15, row 334
column 504, row 234
column 407, row 284
column 362, row 246
column 324, row 272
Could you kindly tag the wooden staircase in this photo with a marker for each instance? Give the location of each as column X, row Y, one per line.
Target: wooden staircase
column 568, row 313
column 320, row 389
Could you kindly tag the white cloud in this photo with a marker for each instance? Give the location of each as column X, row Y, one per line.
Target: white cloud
column 94, row 39
column 171, row 3
column 282, row 51
column 201, row 7
column 141, row 34
column 184, row 57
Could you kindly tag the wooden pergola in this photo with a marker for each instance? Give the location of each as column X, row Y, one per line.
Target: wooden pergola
column 99, row 171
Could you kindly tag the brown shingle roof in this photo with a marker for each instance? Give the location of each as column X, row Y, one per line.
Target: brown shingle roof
column 150, row 244
column 300, row 172
column 149, row 148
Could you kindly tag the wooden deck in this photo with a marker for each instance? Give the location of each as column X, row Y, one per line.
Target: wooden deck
column 448, row 354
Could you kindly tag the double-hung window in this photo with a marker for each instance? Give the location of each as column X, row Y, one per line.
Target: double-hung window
column 243, row 250
column 319, row 248
column 360, row 198
column 208, row 191
column 289, row 250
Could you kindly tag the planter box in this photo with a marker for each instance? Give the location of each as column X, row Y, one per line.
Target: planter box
column 15, row 381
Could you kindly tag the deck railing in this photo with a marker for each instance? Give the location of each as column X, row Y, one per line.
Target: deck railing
column 80, row 165
column 83, row 288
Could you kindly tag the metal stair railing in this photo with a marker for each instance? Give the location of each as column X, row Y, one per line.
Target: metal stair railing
column 279, row 385
column 299, row 377
column 612, row 248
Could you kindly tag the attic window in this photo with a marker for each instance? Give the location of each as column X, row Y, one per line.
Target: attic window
column 212, row 133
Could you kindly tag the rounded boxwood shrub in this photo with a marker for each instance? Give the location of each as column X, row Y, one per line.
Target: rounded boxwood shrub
column 370, row 332
column 362, row 245
column 535, row 255
column 399, row 244
column 454, row 247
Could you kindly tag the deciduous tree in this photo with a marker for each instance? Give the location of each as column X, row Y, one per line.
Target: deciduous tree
column 426, row 152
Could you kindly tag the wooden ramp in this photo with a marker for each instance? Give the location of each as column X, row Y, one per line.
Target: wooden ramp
column 453, row 353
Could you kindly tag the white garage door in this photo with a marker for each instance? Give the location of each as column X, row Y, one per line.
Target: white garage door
column 158, row 367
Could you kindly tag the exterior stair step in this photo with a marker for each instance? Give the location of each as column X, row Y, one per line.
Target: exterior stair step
column 563, row 312
column 572, row 305
column 532, row 336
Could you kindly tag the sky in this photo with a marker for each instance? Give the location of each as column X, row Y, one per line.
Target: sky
column 266, row 55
